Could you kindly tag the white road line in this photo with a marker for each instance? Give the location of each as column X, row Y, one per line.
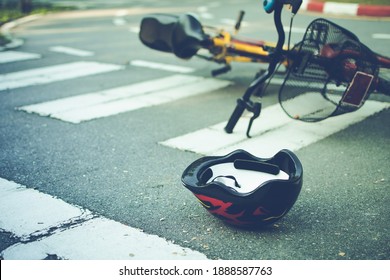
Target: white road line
column 203, row 12
column 12, row 56
column 295, row 29
column 272, row 131
column 55, row 73
column 119, row 21
column 381, row 36
column 232, row 22
column 161, row 66
column 134, row 29
column 124, row 99
column 122, row 13
column 71, row 51
column 25, row 211
column 49, row 226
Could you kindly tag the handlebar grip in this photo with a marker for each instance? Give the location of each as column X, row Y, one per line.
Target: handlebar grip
column 236, row 115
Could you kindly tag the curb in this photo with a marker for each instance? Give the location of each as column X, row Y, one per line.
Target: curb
column 6, row 28
column 346, row 8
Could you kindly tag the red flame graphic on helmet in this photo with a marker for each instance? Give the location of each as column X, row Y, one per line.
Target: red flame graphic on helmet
column 220, row 208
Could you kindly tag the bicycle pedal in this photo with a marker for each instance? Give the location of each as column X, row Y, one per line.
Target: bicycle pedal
column 220, row 71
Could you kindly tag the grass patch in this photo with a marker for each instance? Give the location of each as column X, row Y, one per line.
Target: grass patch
column 12, row 12
column 8, row 14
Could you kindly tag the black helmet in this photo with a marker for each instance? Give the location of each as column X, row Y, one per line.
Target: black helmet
column 244, row 190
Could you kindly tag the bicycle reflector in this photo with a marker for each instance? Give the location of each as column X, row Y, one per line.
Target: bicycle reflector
column 244, row 190
column 330, row 73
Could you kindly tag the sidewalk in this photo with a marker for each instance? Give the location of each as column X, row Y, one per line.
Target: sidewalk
column 346, row 9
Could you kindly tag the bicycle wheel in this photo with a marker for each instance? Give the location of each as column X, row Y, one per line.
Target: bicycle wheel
column 332, row 73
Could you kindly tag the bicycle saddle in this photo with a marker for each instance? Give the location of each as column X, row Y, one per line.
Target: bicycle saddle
column 156, row 31
column 187, row 36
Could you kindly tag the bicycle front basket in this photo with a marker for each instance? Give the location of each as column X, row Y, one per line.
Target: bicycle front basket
column 330, row 73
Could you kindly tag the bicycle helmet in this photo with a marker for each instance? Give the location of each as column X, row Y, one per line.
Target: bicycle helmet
column 244, row 190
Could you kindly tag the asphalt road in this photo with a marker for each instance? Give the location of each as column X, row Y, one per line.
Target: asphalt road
column 116, row 167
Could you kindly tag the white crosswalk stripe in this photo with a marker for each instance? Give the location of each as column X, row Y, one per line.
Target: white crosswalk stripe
column 124, row 99
column 71, row 51
column 51, row 226
column 162, row 66
column 13, row 56
column 271, row 132
column 45, row 75
column 381, row 36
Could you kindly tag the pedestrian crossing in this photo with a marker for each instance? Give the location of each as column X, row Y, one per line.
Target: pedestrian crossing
column 42, row 234
column 272, row 126
column 45, row 75
column 109, row 102
column 271, row 132
column 53, row 227
column 125, row 99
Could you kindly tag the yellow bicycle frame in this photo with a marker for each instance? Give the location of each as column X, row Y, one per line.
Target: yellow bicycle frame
column 225, row 43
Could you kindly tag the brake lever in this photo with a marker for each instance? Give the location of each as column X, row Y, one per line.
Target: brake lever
column 242, row 105
column 256, row 109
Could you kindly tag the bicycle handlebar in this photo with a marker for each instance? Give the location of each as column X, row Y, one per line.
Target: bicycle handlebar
column 245, row 102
